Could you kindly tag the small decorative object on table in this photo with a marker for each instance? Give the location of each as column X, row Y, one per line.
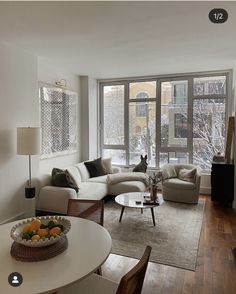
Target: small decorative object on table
column 147, row 200
column 153, row 185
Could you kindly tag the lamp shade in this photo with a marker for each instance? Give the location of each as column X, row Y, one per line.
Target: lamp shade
column 28, row 141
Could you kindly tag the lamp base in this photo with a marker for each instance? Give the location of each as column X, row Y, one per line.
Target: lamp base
column 29, row 192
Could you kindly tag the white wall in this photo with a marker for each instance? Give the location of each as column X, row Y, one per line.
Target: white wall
column 18, row 107
column 20, row 72
column 50, row 74
column 89, row 118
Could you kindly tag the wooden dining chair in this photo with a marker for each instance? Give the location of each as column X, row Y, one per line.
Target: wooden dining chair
column 130, row 283
column 89, row 209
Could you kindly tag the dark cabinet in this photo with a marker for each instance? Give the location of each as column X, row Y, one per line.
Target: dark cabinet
column 222, row 183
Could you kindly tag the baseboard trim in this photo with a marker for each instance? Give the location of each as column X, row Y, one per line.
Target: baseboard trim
column 14, row 218
column 234, row 204
column 205, row 190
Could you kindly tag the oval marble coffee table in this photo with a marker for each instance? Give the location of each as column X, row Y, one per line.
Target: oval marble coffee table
column 131, row 199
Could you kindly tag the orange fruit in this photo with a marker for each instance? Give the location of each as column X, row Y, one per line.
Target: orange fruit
column 42, row 232
column 35, row 238
column 35, row 224
column 26, row 228
column 55, row 231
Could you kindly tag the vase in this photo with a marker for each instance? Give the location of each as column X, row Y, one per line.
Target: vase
column 153, row 193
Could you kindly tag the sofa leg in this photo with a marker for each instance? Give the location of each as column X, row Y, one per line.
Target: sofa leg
column 99, row 271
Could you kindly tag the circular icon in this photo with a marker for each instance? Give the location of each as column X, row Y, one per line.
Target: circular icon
column 15, row 279
column 218, row 15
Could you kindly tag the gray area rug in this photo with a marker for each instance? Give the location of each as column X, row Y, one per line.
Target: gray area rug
column 174, row 240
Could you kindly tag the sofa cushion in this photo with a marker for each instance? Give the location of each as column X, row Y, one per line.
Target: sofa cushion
column 187, row 175
column 107, row 164
column 176, row 183
column 101, row 179
column 74, row 172
column 126, row 176
column 62, row 178
column 83, row 171
column 91, row 190
column 96, row 168
column 125, row 187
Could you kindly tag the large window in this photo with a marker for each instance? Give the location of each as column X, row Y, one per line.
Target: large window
column 58, row 113
column 175, row 120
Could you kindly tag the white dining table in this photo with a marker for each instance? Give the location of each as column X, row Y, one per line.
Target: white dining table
column 89, row 245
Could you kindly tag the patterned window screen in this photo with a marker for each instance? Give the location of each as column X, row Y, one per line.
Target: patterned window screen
column 58, row 121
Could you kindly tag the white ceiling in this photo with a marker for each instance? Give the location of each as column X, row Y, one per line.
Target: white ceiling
column 122, row 39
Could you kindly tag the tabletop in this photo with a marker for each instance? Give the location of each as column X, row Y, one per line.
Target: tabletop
column 89, row 245
column 129, row 199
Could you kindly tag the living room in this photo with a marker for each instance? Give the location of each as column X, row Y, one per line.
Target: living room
column 101, row 44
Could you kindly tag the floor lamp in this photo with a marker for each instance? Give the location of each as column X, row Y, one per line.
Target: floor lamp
column 28, row 143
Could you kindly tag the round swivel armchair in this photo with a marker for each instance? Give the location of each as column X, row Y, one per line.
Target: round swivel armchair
column 181, row 182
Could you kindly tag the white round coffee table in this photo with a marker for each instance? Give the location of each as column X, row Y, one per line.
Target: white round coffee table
column 136, row 200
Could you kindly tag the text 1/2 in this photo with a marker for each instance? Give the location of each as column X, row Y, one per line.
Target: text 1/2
column 218, row 15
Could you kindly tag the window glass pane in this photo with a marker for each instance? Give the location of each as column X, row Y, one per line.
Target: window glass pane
column 141, row 90
column 178, row 157
column 209, row 86
column 118, row 156
column 208, row 130
column 163, row 159
column 181, row 130
column 142, row 132
column 113, row 128
column 174, row 104
column 174, row 158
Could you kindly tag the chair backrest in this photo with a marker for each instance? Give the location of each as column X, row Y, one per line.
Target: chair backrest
column 89, row 209
column 132, row 282
column 183, row 165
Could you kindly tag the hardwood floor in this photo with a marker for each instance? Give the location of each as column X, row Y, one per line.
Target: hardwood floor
column 215, row 271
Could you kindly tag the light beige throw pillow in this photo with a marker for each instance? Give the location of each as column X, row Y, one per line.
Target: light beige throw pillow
column 187, row 175
column 107, row 164
column 168, row 172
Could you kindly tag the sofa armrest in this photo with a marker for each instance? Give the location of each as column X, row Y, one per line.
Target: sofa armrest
column 55, row 199
column 116, row 169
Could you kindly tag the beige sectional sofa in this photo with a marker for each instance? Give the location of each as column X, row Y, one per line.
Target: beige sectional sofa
column 55, row 199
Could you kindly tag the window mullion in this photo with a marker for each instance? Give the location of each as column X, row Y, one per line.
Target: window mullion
column 158, row 123
column 126, row 122
column 190, row 119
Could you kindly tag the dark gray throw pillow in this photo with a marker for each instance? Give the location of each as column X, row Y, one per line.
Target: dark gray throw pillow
column 96, row 168
column 62, row 178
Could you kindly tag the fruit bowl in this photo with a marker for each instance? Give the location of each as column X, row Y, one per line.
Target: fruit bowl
column 44, row 229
